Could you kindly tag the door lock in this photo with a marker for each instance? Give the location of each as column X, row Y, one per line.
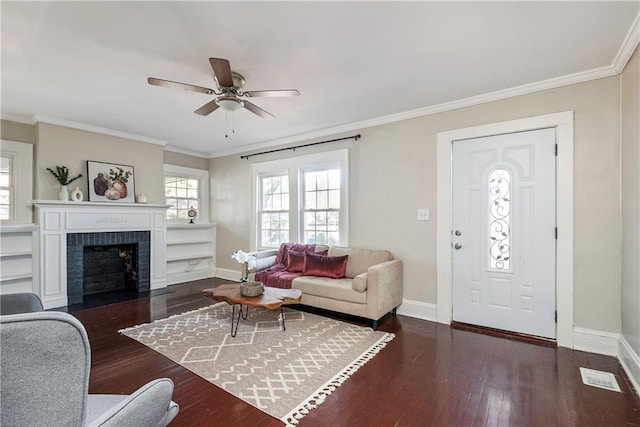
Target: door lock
column 457, row 246
column 458, row 233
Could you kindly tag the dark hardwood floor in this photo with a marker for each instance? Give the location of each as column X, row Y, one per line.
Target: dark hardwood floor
column 429, row 375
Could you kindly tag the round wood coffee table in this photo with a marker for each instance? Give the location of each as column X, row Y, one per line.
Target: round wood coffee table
column 272, row 299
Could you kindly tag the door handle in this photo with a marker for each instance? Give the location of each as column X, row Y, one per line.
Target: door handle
column 457, row 246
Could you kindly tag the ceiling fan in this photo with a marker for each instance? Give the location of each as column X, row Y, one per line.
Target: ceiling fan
column 229, row 90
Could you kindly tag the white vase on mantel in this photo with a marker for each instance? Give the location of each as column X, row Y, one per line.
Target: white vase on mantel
column 63, row 195
column 77, row 195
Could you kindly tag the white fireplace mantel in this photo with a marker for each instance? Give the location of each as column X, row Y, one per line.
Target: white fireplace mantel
column 57, row 219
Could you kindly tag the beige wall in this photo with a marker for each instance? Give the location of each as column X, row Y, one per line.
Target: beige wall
column 393, row 172
column 59, row 145
column 19, row 132
column 630, row 105
column 185, row 160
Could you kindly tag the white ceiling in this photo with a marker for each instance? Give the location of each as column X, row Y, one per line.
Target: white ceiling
column 87, row 62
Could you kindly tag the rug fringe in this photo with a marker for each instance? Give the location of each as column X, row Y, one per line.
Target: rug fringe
column 131, row 328
column 317, row 398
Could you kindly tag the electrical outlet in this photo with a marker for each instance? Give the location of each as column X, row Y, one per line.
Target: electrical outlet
column 423, row 214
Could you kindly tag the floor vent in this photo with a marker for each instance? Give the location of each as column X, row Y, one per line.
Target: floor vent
column 601, row 379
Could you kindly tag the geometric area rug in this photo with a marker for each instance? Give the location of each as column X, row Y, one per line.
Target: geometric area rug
column 283, row 373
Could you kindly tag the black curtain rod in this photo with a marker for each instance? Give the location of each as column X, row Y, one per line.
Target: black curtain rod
column 354, row 137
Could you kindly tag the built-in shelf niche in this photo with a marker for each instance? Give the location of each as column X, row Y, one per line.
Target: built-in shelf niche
column 190, row 252
column 18, row 261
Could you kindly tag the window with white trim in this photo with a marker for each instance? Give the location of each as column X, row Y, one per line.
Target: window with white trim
column 301, row 199
column 186, row 188
column 274, row 209
column 16, row 182
column 321, row 206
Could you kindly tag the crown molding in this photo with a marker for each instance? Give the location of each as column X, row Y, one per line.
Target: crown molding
column 628, row 46
column 96, row 129
column 34, row 119
column 581, row 77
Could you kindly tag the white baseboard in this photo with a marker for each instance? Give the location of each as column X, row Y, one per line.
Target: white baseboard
column 418, row 309
column 227, row 274
column 182, row 277
column 158, row 284
column 54, row 303
column 630, row 362
column 589, row 340
column 594, row 341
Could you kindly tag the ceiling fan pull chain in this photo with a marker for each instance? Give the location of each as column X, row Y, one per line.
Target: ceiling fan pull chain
column 233, row 122
column 226, row 124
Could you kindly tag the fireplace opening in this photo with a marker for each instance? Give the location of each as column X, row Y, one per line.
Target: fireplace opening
column 106, row 264
column 109, row 268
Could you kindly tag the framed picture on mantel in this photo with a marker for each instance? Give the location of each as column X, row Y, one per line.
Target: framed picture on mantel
column 109, row 182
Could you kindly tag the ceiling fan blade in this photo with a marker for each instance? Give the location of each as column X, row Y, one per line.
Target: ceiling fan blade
column 207, row 108
column 177, row 85
column 222, row 71
column 272, row 93
column 257, row 110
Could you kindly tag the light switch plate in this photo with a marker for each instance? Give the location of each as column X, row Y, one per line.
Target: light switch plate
column 423, row 214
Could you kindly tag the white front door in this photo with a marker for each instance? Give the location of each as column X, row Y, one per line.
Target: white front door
column 503, row 238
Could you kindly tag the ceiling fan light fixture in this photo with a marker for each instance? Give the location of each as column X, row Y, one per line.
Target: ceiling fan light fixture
column 229, row 89
column 230, row 103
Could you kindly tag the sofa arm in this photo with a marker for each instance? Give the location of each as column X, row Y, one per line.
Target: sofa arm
column 384, row 288
column 260, row 264
column 261, row 261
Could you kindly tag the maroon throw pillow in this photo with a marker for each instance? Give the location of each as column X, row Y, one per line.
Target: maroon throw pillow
column 324, row 266
column 283, row 252
column 295, row 262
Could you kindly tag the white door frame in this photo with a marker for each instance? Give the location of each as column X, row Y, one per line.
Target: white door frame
column 563, row 123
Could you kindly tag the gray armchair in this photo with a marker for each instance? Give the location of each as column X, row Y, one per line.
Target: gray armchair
column 20, row 303
column 45, row 367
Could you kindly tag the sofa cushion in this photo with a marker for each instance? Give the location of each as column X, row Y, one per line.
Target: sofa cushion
column 324, row 266
column 360, row 259
column 335, row 289
column 295, row 263
column 359, row 283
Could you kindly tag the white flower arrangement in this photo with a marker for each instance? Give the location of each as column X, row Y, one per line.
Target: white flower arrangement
column 244, row 257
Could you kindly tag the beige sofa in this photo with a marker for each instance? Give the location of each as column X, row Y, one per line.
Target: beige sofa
column 371, row 289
